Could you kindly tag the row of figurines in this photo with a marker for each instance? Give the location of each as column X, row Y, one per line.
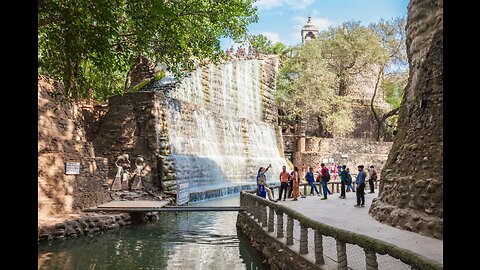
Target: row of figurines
column 123, row 179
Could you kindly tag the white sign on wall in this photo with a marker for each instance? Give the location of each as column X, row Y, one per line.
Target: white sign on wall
column 183, row 193
column 331, row 160
column 72, row 168
column 325, row 160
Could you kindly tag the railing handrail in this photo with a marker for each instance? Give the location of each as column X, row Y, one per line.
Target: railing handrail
column 379, row 246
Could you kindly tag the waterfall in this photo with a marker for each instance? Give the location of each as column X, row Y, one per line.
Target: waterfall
column 216, row 125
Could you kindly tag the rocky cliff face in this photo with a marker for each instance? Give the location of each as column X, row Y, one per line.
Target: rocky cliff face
column 411, row 193
column 61, row 139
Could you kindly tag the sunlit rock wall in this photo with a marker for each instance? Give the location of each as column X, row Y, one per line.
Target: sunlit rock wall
column 61, row 139
column 411, row 193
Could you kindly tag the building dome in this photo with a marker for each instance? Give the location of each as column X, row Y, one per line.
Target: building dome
column 309, row 31
column 310, row 26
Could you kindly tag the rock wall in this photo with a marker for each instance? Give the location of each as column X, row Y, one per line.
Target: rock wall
column 350, row 152
column 133, row 125
column 61, row 138
column 411, row 193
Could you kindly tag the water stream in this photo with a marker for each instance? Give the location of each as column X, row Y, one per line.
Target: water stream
column 184, row 240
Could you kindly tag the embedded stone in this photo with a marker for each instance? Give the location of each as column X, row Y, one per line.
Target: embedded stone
column 420, row 184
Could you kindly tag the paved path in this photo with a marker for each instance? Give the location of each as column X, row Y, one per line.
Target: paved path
column 341, row 214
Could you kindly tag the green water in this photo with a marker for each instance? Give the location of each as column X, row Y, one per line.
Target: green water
column 184, row 240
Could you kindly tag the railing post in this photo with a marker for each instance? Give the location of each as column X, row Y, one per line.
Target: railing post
column 333, row 191
column 279, row 223
column 263, row 209
column 319, row 248
column 303, row 239
column 341, row 255
column 289, row 231
column 255, row 211
column 305, row 190
column 371, row 260
column 271, row 216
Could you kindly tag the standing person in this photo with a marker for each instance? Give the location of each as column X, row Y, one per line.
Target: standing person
column 262, row 182
column 360, row 186
column 311, row 181
column 290, row 184
column 325, row 176
column 284, row 177
column 343, row 181
column 296, row 184
column 373, row 177
column 304, row 170
column 335, row 172
column 349, row 181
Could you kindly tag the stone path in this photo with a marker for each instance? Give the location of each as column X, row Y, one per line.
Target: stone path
column 341, row 214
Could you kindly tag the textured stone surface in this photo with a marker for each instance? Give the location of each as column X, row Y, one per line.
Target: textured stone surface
column 61, row 138
column 277, row 256
column 358, row 151
column 411, row 193
column 80, row 225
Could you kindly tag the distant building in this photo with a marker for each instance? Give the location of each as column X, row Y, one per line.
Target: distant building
column 309, row 31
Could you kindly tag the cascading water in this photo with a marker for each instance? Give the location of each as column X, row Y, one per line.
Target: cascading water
column 216, row 126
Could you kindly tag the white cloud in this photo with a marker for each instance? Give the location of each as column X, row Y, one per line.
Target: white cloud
column 274, row 37
column 294, row 4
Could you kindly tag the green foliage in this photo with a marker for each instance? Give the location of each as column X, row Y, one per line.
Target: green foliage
column 393, row 87
column 306, row 87
column 350, row 50
column 159, row 75
column 90, row 45
column 260, row 44
column 393, row 40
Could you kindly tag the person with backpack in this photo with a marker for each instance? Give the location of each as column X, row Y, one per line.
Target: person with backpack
column 360, row 186
column 343, row 181
column 373, row 177
column 325, row 176
column 349, row 181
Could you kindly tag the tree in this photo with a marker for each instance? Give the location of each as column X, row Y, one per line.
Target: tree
column 260, row 44
column 90, row 45
column 393, row 70
column 306, row 87
column 351, row 50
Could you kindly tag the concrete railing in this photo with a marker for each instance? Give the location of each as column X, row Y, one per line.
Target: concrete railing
column 256, row 208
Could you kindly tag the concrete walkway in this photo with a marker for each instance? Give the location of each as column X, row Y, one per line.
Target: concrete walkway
column 341, row 214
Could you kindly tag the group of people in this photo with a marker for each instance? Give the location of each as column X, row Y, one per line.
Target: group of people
column 290, row 182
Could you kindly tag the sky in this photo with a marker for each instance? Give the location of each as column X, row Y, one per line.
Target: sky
column 282, row 20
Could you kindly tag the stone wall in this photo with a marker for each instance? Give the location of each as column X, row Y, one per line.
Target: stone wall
column 346, row 151
column 275, row 253
column 411, row 193
column 131, row 126
column 61, row 138
column 82, row 225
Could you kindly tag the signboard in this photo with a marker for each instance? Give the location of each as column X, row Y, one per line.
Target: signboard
column 183, row 193
column 72, row 168
column 331, row 160
column 325, row 160
column 345, row 156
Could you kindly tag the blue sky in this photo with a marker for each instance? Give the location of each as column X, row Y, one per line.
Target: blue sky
column 281, row 20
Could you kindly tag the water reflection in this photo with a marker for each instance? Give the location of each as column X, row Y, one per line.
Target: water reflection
column 186, row 240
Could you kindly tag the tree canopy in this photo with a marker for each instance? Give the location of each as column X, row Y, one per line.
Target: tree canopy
column 351, row 50
column 306, row 87
column 262, row 44
column 90, row 45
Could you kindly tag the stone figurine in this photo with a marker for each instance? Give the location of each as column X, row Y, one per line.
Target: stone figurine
column 137, row 181
column 122, row 176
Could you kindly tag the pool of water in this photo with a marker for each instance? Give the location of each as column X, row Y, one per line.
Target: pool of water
column 183, row 240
